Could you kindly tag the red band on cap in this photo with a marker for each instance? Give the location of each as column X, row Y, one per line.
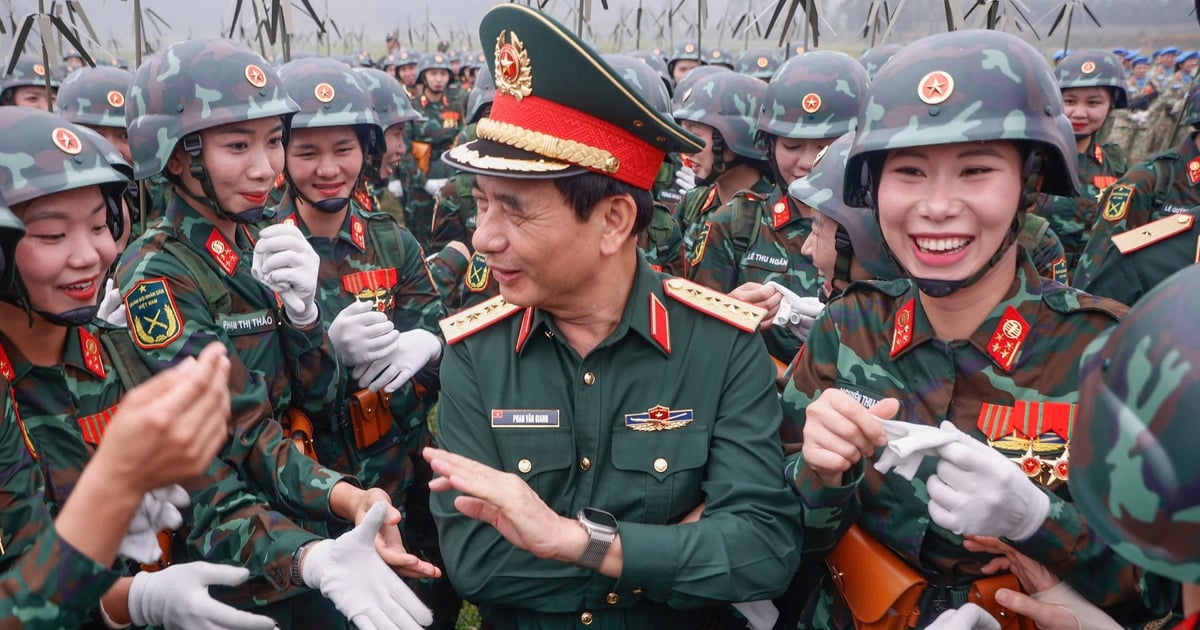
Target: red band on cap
column 638, row 160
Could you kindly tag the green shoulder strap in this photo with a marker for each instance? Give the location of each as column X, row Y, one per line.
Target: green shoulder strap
column 1162, row 183
column 216, row 294
column 744, row 224
column 124, row 356
column 385, row 236
column 659, row 230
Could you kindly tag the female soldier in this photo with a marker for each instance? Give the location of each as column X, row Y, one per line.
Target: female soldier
column 206, row 272
column 66, row 397
column 957, row 133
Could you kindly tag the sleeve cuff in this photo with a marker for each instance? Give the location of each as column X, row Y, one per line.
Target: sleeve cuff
column 649, row 559
column 816, row 494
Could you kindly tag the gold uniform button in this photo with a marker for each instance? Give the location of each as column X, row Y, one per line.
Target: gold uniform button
column 585, row 464
column 612, row 599
column 589, row 378
column 524, row 465
column 638, row 591
column 660, row 465
column 586, row 618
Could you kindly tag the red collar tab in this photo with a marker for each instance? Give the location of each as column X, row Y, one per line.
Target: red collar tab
column 902, row 329
column 1099, row 153
column 660, row 325
column 1193, row 171
column 780, row 213
column 6, row 368
column 358, row 232
column 526, row 328
column 1008, row 338
column 221, row 251
column 91, row 353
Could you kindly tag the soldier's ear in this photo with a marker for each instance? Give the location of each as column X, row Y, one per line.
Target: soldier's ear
column 178, row 162
column 618, row 214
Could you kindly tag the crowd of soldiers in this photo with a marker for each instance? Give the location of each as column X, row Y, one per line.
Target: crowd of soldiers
column 687, row 338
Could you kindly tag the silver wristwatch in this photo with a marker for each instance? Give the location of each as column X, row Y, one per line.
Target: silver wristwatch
column 602, row 530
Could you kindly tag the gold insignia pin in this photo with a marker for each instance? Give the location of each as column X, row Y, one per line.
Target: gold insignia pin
column 256, row 76
column 935, row 87
column 1012, row 329
column 762, row 62
column 1088, row 67
column 811, row 103
column 66, row 141
column 39, row 69
column 116, row 99
column 324, row 92
column 514, row 74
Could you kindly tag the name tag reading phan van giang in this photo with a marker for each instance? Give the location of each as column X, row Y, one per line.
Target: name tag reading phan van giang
column 524, row 418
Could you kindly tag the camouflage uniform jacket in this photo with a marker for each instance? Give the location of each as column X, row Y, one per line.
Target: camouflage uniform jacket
column 715, row 388
column 661, row 243
column 772, row 253
column 1126, row 277
column 454, row 214
column 875, row 342
column 697, row 207
column 44, row 581
column 664, row 190
column 442, row 124
column 1045, row 249
column 352, row 264
column 167, row 279
column 1100, row 166
column 1131, row 202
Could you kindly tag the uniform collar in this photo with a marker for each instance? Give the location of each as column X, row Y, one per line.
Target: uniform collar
column 354, row 225
column 645, row 314
column 782, row 211
column 1002, row 334
column 82, row 352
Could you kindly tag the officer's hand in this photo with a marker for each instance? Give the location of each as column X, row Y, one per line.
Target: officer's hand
column 168, row 429
column 839, row 431
column 762, row 296
column 360, row 334
column 976, row 490
column 158, row 510
column 969, row 617
column 177, row 597
column 502, row 500
column 352, row 575
column 388, row 542
column 285, row 263
column 410, row 351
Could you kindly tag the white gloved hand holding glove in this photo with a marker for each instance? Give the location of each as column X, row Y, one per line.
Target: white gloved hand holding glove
column 685, row 179
column 177, row 598
column 396, row 187
column 360, row 334
column 285, row 263
column 795, row 312
column 410, row 352
column 978, row 491
column 159, row 510
column 907, row 445
column 969, row 617
column 112, row 307
column 434, row 186
column 366, row 590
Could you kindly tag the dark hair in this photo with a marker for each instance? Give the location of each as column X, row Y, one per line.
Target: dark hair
column 585, row 190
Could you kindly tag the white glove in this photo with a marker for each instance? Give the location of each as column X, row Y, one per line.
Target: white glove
column 396, row 187
column 907, row 445
column 287, row 264
column 177, row 597
column 410, row 352
column 365, row 589
column 360, row 334
column 795, row 312
column 159, row 510
column 685, row 179
column 760, row 614
column 112, row 307
column 969, row 617
column 978, row 491
column 434, row 186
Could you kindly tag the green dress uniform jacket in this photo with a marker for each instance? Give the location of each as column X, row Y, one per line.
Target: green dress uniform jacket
column 1146, row 256
column 1012, row 383
column 581, row 432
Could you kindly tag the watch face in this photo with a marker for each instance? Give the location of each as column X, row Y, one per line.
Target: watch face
column 599, row 517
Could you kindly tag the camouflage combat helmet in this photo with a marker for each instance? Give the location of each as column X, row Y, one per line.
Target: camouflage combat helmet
column 406, row 57
column 644, row 79
column 692, row 78
column 759, row 63
column 192, row 86
column 873, row 58
column 858, row 231
column 453, row 56
column 717, row 56
column 364, row 59
column 1134, row 471
column 387, row 62
column 482, row 93
column 94, row 96
column 29, row 71
column 45, row 154
column 1094, row 68
column 964, row 86
column 391, row 103
column 430, row 61
column 657, row 64
column 729, row 103
column 11, row 231
column 684, row 51
column 814, row 96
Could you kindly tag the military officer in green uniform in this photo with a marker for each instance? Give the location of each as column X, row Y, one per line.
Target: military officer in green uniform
column 585, row 479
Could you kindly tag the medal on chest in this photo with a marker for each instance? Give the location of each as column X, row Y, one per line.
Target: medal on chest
column 1036, row 436
column 375, row 285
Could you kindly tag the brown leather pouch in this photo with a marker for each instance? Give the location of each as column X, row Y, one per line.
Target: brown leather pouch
column 422, row 151
column 370, row 416
column 881, row 591
column 299, row 429
column 166, row 539
column 983, row 594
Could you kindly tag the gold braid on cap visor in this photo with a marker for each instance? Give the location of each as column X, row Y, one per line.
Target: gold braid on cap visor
column 544, row 144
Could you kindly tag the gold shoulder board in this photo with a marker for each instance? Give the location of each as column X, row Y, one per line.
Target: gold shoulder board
column 466, row 323
column 736, row 313
column 1153, row 232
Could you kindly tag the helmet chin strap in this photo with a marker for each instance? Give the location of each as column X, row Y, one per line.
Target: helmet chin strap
column 194, row 146
column 719, row 165
column 333, row 205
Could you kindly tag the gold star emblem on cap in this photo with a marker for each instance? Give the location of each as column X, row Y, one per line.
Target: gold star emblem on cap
column 811, row 102
column 324, row 92
column 1088, row 67
column 256, row 76
column 66, row 141
column 514, row 74
column 935, row 87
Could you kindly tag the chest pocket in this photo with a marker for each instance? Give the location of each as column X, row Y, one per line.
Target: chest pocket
column 542, row 457
column 669, row 466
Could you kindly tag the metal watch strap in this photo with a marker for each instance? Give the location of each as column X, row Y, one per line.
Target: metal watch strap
column 593, row 554
column 296, row 575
